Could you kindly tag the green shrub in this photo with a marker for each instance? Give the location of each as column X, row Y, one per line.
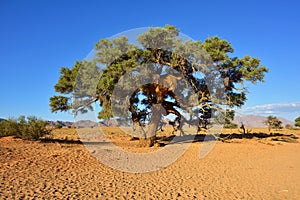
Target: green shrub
column 31, row 128
column 9, row 127
column 297, row 122
column 59, row 126
column 230, row 125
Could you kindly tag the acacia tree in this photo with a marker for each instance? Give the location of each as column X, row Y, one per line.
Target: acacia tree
column 273, row 122
column 172, row 59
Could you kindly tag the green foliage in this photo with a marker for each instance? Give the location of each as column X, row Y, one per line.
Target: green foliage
column 58, row 126
column 297, row 122
column 160, row 38
column 161, row 47
column 9, row 127
column 229, row 116
column 230, row 125
column 30, row 128
column 273, row 123
column 60, row 103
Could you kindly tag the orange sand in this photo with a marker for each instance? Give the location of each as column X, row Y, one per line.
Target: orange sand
column 240, row 169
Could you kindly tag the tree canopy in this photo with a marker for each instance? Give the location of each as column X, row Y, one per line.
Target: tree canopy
column 164, row 74
column 273, row 122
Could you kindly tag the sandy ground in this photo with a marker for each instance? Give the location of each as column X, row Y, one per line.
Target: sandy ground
column 236, row 169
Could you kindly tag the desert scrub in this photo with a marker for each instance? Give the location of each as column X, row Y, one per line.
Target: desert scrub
column 30, row 128
column 58, row 126
column 230, row 125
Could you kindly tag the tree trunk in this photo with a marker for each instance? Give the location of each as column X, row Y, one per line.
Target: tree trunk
column 157, row 111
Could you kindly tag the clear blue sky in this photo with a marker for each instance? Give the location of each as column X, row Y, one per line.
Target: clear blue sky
column 37, row 38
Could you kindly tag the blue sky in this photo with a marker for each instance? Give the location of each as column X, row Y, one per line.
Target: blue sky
column 37, row 38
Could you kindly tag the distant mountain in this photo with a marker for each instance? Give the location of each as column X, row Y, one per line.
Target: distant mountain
column 85, row 123
column 66, row 123
column 108, row 122
column 248, row 120
column 2, row 119
column 257, row 121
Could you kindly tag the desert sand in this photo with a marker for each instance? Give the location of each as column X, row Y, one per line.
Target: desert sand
column 257, row 168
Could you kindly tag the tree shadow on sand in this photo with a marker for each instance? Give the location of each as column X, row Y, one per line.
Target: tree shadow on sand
column 165, row 140
column 61, row 141
column 71, row 141
column 272, row 136
column 290, row 138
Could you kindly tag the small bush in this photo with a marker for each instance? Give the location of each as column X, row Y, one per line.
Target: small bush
column 230, row 125
column 289, row 126
column 9, row 128
column 59, row 126
column 297, row 122
column 31, row 128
